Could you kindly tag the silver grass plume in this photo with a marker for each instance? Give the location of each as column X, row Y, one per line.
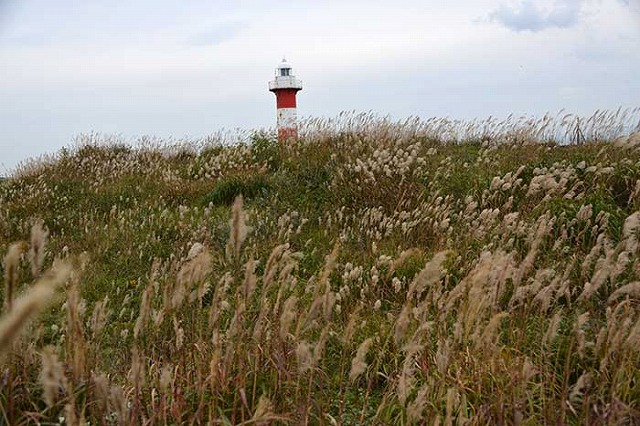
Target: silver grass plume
column 52, row 375
column 30, row 304
column 11, row 272
column 359, row 363
column 238, row 232
column 38, row 247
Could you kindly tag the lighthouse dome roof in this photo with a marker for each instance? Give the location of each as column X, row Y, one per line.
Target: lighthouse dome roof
column 284, row 64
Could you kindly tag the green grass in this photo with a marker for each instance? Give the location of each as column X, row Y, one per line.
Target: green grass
column 115, row 211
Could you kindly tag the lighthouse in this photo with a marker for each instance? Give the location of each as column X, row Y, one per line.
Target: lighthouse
column 285, row 86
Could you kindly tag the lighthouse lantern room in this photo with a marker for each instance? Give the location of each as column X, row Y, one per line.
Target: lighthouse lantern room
column 285, row 86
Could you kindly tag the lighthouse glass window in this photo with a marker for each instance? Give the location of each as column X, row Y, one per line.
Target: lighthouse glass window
column 284, row 72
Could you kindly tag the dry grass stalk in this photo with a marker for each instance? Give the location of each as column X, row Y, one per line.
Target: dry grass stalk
column 250, row 279
column 118, row 403
column 70, row 416
column 544, row 226
column 323, row 299
column 487, row 340
column 318, row 351
column 99, row 317
column 602, row 271
column 145, row 309
column 101, row 386
column 30, row 304
column 329, row 298
column 235, row 327
column 631, row 290
column 38, row 247
column 579, row 388
column 359, row 363
column 216, row 302
column 52, row 376
column 289, row 314
column 417, row 406
column 196, row 268
column 402, row 323
column 351, row 327
column 178, row 333
column 429, row 275
column 403, row 257
column 264, row 413
column 406, row 378
column 552, row 329
column 271, row 269
column 137, row 370
column 329, row 265
column 304, row 357
column 633, row 339
column 166, row 378
column 443, row 356
column 452, row 399
column 579, row 332
column 75, row 343
column 259, row 326
column 478, row 277
column 194, row 271
column 239, row 230
column 11, row 272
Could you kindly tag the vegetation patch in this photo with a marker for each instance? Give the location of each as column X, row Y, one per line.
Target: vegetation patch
column 371, row 272
column 227, row 189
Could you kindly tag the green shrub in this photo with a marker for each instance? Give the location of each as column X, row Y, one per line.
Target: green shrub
column 227, row 189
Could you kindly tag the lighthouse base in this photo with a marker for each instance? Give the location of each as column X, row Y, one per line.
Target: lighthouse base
column 287, row 134
column 287, row 127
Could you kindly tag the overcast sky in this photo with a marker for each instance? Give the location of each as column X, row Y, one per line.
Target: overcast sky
column 192, row 67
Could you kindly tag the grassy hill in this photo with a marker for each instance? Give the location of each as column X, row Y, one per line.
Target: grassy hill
column 386, row 273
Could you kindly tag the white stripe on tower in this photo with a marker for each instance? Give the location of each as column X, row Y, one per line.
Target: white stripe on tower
column 287, row 118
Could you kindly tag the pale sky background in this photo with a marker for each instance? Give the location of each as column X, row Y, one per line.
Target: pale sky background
column 193, row 67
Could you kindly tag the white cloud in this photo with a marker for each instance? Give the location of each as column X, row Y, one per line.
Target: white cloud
column 531, row 15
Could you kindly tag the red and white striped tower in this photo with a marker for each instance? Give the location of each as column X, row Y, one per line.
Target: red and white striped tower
column 285, row 86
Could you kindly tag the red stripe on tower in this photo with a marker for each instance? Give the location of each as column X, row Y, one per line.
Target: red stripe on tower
column 286, row 98
column 285, row 86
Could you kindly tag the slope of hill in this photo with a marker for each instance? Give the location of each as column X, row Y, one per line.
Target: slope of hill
column 373, row 276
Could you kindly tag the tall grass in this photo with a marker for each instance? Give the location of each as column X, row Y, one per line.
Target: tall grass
column 387, row 276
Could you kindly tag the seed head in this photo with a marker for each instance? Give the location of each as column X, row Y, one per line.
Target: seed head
column 11, row 272
column 51, row 376
column 358, row 363
column 38, row 245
